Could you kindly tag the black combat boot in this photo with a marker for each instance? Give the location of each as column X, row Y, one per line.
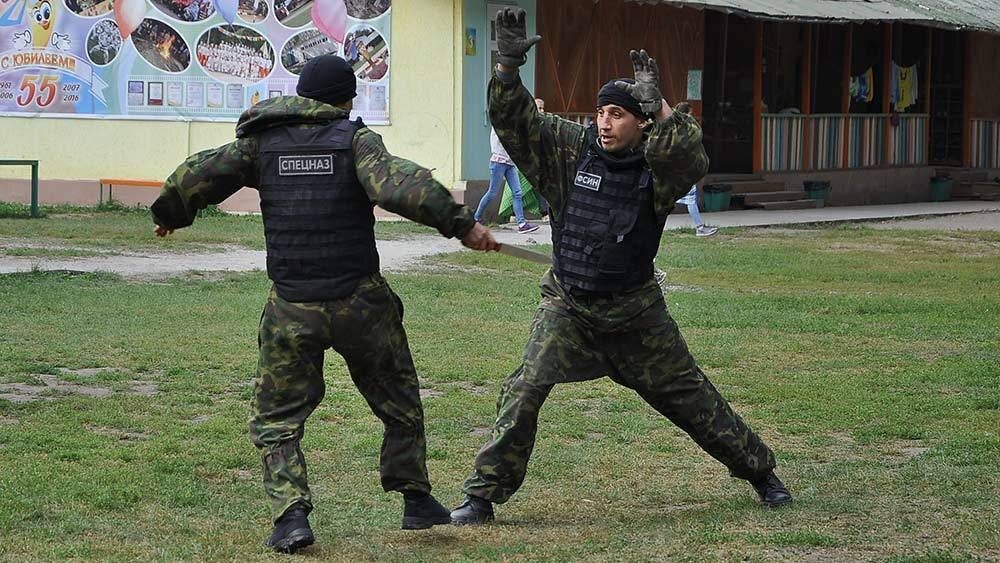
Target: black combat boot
column 472, row 511
column 423, row 511
column 771, row 490
column 291, row 532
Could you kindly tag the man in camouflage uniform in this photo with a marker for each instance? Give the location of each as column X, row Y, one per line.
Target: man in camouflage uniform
column 610, row 188
column 319, row 176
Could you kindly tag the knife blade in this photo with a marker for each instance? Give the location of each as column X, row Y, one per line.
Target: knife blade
column 525, row 254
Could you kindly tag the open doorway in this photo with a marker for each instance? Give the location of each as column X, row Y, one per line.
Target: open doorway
column 728, row 92
column 947, row 95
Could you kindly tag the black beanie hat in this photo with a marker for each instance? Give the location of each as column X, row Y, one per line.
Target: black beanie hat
column 611, row 94
column 328, row 79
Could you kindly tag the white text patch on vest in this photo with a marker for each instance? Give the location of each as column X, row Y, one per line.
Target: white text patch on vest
column 589, row 181
column 305, row 165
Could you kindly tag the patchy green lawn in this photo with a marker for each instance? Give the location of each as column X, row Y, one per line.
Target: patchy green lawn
column 867, row 359
column 73, row 231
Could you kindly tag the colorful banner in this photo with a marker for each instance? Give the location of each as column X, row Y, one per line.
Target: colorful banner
column 183, row 59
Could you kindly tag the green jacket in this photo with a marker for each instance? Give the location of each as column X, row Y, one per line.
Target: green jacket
column 547, row 148
column 395, row 184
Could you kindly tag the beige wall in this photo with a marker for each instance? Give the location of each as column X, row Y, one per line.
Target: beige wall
column 424, row 109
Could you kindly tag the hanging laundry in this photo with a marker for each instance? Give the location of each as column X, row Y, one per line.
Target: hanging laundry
column 863, row 86
column 907, row 87
column 894, row 84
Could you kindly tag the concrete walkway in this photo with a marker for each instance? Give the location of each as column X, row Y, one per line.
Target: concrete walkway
column 398, row 255
column 760, row 217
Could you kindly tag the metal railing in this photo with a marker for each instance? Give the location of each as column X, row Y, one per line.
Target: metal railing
column 34, row 179
column 985, row 143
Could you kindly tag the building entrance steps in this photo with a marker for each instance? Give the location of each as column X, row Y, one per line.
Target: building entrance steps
column 754, row 199
column 989, row 191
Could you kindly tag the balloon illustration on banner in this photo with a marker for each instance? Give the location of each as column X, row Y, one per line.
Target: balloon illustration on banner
column 330, row 17
column 129, row 14
column 227, row 8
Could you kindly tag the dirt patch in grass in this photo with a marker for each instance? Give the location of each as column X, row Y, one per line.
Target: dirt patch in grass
column 819, row 555
column 26, row 393
column 900, row 451
column 143, row 388
column 478, row 390
column 481, row 431
column 428, row 393
column 50, row 387
column 85, row 372
column 873, row 246
column 118, row 433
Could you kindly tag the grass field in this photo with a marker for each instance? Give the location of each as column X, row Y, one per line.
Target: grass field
column 79, row 231
column 867, row 359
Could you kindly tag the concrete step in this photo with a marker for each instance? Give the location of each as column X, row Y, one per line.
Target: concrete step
column 962, row 189
column 794, row 204
column 963, row 174
column 754, row 198
column 985, row 187
column 975, row 190
column 730, row 178
column 755, row 187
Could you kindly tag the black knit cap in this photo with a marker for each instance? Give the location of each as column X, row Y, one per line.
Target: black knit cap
column 328, row 79
column 611, row 94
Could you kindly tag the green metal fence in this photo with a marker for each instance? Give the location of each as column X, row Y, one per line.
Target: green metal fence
column 34, row 179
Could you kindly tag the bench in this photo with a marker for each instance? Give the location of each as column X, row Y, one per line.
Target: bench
column 112, row 182
column 34, row 179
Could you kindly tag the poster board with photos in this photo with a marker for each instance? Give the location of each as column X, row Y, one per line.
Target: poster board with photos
column 183, row 59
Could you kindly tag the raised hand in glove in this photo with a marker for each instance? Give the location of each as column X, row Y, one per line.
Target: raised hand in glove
column 512, row 38
column 646, row 89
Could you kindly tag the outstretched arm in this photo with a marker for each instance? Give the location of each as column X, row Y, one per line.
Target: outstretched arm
column 541, row 145
column 203, row 179
column 677, row 158
column 673, row 150
column 404, row 187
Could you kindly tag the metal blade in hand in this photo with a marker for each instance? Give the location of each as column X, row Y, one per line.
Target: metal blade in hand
column 525, row 254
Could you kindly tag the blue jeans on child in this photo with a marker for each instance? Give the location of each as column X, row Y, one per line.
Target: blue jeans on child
column 690, row 199
column 499, row 171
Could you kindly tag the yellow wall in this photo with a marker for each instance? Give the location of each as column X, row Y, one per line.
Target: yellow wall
column 423, row 106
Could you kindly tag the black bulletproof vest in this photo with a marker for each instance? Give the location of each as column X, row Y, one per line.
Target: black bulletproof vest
column 608, row 235
column 318, row 220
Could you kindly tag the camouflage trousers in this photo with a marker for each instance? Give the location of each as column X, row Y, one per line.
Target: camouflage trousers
column 366, row 329
column 631, row 338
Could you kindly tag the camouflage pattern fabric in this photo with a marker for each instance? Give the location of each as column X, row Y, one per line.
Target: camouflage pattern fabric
column 631, row 338
column 547, row 148
column 366, row 329
column 395, row 184
column 627, row 336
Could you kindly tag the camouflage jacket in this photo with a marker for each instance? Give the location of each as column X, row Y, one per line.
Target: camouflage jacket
column 547, row 148
column 396, row 184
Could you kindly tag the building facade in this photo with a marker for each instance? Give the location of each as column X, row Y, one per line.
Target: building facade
column 874, row 97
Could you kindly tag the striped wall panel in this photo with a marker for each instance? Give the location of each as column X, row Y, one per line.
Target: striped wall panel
column 866, row 134
column 985, row 143
column 908, row 141
column 827, row 137
column 783, row 142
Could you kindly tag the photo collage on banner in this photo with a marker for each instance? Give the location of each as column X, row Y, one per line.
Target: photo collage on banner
column 183, row 59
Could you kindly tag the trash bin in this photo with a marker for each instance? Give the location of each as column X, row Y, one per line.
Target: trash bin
column 941, row 188
column 717, row 197
column 818, row 190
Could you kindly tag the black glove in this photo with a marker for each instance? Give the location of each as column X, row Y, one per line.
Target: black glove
column 646, row 89
column 512, row 38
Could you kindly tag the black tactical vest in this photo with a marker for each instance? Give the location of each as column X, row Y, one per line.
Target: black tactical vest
column 318, row 220
column 608, row 234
